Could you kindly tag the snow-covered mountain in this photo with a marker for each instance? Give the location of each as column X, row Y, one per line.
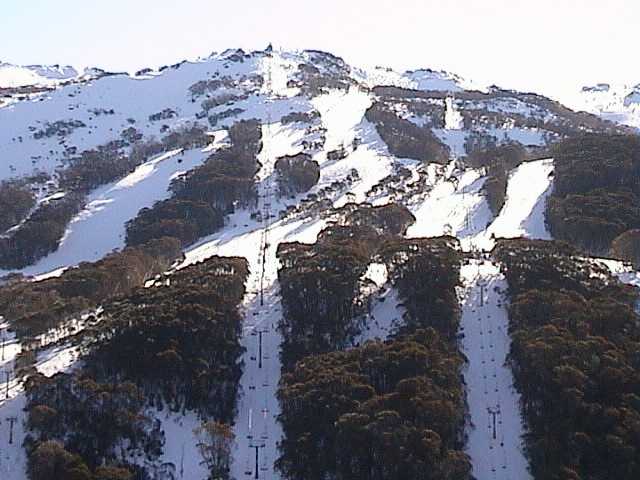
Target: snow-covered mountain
column 616, row 102
column 15, row 76
column 369, row 136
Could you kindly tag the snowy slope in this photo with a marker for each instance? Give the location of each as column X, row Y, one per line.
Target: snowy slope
column 495, row 421
column 86, row 238
column 523, row 213
column 12, row 76
column 421, row 79
column 495, row 429
column 616, row 102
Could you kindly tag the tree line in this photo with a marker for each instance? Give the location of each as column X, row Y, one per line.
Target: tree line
column 16, row 201
column 575, row 360
column 43, row 230
column 173, row 346
column 398, row 404
column 202, row 197
column 498, row 160
column 405, row 139
column 596, row 195
column 321, row 284
column 296, row 174
column 34, row 308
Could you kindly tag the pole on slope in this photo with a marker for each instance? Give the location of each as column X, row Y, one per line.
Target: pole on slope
column 11, row 421
column 182, row 462
column 256, row 472
column 260, row 348
column 494, row 412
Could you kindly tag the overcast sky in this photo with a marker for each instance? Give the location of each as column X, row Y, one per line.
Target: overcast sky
column 550, row 46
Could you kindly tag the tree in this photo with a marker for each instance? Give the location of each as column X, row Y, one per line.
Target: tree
column 215, row 442
column 626, row 246
column 51, row 461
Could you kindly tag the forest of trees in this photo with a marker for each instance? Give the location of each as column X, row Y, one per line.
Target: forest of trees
column 179, row 340
column 312, row 81
column 596, row 193
column 33, row 308
column 172, row 346
column 40, row 233
column 575, row 357
column 498, row 160
column 206, row 194
column 109, row 162
column 626, row 246
column 381, row 411
column 398, row 404
column 16, row 201
column 426, row 272
column 296, row 174
column 404, row 139
column 321, row 283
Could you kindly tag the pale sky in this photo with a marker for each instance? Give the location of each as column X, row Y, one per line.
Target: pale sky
column 548, row 46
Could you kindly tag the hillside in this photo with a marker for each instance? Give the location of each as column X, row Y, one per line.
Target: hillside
column 218, row 269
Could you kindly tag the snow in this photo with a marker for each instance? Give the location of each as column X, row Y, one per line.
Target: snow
column 526, row 136
column 496, row 450
column 100, row 227
column 528, row 187
column 421, row 79
column 454, row 139
column 13, row 458
column 341, row 112
column 376, row 273
column 376, row 76
column 256, row 423
column 17, row 76
column 49, row 362
column 452, row 208
column 384, row 318
column 57, row 359
column 619, row 103
column 258, row 408
column 624, row 272
column 494, row 453
column 180, row 447
column 453, row 204
column 456, row 206
column 452, row 117
column 130, row 98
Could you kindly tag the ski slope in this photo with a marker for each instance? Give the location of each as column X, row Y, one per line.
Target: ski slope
column 100, row 227
column 495, row 427
column 528, row 187
column 455, row 206
column 256, row 423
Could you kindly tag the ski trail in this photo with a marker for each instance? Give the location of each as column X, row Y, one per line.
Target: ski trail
column 495, row 426
column 528, row 187
column 385, row 312
column 257, row 431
